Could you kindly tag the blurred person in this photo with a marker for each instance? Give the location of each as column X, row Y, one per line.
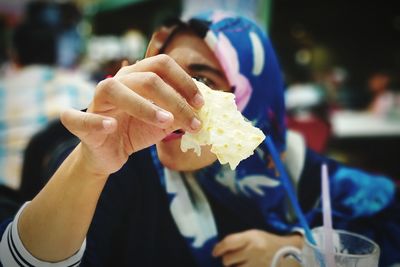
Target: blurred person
column 33, row 90
column 307, row 110
column 307, row 113
column 334, row 83
column 120, row 200
column 385, row 98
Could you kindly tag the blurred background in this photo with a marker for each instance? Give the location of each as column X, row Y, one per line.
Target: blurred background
column 340, row 60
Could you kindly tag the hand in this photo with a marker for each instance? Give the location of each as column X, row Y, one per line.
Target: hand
column 138, row 107
column 253, row 248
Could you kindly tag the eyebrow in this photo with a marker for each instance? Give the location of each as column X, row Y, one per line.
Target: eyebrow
column 203, row 67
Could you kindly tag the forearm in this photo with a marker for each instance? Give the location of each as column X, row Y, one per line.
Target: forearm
column 53, row 226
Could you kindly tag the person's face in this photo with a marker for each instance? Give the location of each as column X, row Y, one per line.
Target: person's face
column 194, row 56
column 378, row 83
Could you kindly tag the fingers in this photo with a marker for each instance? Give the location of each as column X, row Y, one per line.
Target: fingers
column 82, row 123
column 149, row 85
column 235, row 258
column 169, row 71
column 116, row 93
column 230, row 243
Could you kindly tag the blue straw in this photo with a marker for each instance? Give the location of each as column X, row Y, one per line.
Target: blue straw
column 289, row 189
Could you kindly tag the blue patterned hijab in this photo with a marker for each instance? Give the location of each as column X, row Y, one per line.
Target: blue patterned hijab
column 250, row 65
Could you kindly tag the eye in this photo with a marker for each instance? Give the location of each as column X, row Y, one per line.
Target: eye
column 210, row 83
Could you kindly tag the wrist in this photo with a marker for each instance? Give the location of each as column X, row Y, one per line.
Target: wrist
column 85, row 165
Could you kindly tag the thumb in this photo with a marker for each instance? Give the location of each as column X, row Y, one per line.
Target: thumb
column 230, row 243
column 82, row 124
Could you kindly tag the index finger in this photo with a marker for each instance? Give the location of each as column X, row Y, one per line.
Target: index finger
column 165, row 67
column 230, row 243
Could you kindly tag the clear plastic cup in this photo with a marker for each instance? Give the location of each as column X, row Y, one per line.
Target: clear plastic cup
column 351, row 250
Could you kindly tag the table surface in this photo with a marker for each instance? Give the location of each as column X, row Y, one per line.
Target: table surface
column 364, row 124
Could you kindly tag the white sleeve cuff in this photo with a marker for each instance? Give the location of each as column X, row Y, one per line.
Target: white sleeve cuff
column 13, row 252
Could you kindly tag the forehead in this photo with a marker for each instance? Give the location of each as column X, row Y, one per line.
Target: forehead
column 187, row 48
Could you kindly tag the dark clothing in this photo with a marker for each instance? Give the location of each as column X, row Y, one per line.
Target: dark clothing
column 132, row 225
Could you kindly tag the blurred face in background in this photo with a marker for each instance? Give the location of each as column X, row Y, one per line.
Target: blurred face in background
column 378, row 83
column 196, row 58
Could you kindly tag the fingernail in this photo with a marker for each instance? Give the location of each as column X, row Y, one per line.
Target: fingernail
column 163, row 116
column 198, row 100
column 195, row 124
column 107, row 124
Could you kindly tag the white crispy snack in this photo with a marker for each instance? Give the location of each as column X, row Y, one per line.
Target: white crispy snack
column 231, row 136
